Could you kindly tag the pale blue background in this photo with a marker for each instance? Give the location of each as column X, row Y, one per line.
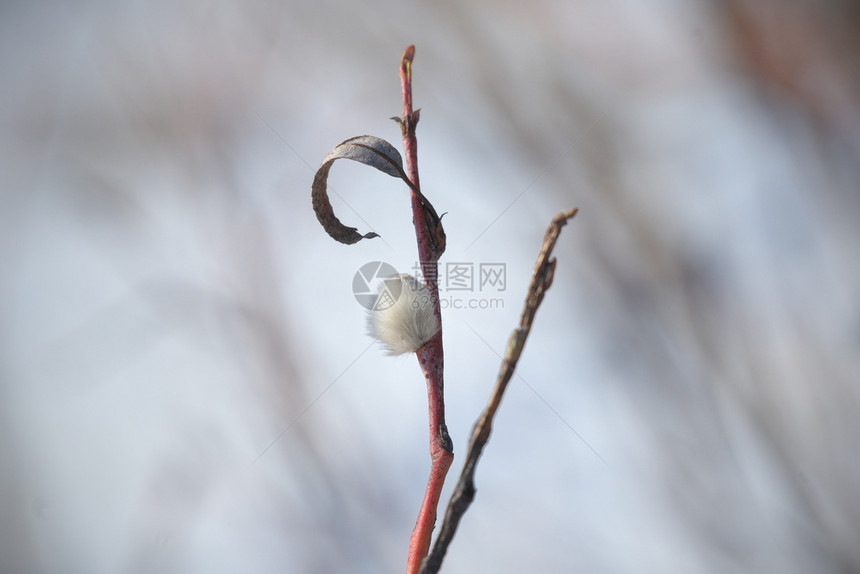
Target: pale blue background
column 688, row 401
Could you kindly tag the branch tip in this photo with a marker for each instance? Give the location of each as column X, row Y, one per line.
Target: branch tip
column 565, row 216
column 406, row 63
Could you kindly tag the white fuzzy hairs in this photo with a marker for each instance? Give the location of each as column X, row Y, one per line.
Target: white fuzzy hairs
column 402, row 317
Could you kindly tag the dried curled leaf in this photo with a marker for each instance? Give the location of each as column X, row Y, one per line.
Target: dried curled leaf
column 372, row 151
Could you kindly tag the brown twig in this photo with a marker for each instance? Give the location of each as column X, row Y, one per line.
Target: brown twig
column 431, row 243
column 464, row 491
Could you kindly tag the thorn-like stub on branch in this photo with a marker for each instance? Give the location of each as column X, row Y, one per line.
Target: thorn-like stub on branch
column 407, row 123
column 515, row 343
column 550, row 273
column 403, row 122
column 447, row 443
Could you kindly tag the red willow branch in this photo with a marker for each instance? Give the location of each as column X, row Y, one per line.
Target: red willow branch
column 430, row 239
column 464, row 491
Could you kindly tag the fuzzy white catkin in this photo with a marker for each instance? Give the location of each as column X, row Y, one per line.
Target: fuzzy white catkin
column 402, row 318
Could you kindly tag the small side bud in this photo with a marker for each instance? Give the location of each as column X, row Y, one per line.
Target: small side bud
column 402, row 317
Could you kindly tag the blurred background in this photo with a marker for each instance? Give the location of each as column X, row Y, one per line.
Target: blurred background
column 186, row 384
